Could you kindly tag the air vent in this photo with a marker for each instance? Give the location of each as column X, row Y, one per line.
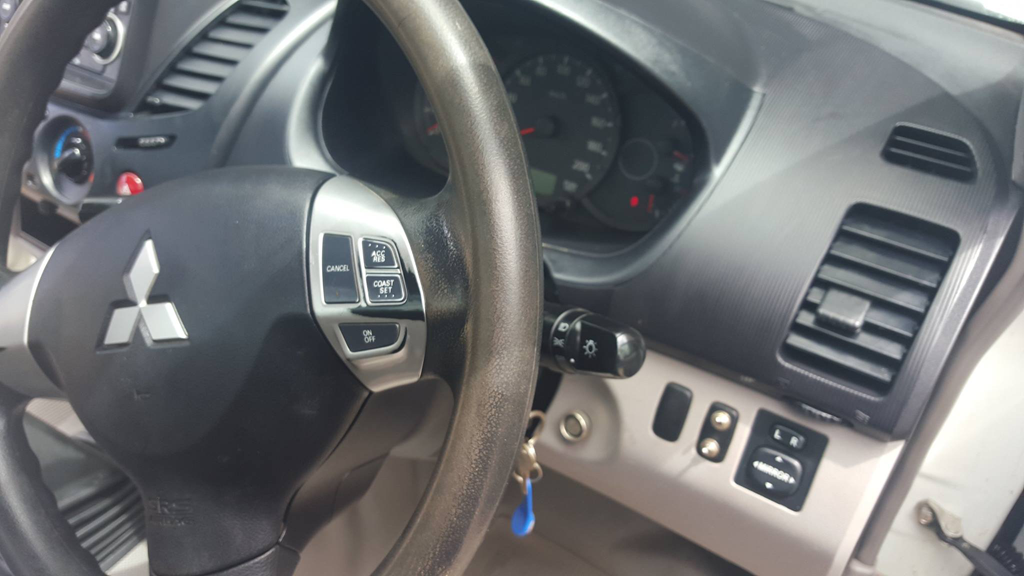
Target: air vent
column 197, row 73
column 930, row 151
column 870, row 297
column 108, row 520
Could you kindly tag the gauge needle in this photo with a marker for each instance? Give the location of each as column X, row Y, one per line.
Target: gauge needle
column 680, row 155
column 432, row 129
column 544, row 127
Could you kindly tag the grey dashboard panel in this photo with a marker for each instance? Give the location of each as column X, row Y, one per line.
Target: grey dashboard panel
column 671, row 484
column 971, row 476
column 727, row 283
column 796, row 102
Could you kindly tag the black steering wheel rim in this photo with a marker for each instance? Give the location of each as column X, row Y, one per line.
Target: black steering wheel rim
column 481, row 233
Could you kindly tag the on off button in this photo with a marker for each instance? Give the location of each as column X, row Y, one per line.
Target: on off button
column 365, row 337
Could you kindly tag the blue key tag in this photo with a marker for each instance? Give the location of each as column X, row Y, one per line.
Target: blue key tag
column 526, row 471
column 523, row 518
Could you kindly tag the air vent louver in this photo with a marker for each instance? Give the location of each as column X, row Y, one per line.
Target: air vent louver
column 869, row 297
column 108, row 520
column 198, row 72
column 930, row 151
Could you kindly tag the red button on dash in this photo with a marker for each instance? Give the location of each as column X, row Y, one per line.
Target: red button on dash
column 129, row 184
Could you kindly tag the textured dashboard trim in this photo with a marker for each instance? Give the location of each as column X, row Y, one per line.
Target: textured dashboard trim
column 729, row 284
column 797, row 105
column 671, row 484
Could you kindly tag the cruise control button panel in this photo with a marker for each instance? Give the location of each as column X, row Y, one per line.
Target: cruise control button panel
column 385, row 289
column 780, row 459
column 366, row 337
column 338, row 270
column 366, row 294
column 378, row 255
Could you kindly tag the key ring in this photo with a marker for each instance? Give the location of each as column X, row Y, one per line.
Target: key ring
column 537, row 415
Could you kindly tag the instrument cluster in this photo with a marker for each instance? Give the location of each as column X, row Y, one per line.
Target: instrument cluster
column 596, row 139
column 611, row 153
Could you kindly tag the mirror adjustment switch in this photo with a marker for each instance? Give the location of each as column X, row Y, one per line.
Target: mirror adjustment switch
column 337, row 270
column 365, row 337
column 378, row 254
column 780, row 459
column 774, row 472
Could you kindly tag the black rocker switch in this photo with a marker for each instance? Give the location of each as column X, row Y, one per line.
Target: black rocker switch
column 578, row 341
column 672, row 410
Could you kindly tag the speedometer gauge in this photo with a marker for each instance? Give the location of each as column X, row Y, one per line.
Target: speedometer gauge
column 569, row 120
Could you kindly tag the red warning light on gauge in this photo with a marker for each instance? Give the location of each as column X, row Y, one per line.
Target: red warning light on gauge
column 634, row 201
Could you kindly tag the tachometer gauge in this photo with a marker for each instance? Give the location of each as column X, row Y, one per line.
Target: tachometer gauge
column 569, row 119
column 654, row 170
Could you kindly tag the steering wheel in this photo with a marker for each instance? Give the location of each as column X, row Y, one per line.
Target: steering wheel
column 219, row 334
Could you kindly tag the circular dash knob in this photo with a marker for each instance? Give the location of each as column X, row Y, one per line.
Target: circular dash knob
column 709, row 448
column 721, row 420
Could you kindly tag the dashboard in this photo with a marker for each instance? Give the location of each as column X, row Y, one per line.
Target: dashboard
column 800, row 205
column 612, row 153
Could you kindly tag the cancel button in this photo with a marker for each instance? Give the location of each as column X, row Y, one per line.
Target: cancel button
column 385, row 288
column 338, row 273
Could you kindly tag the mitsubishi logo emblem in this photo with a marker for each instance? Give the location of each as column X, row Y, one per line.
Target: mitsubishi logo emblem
column 160, row 320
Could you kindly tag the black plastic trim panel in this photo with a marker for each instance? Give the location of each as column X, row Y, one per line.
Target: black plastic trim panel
column 797, row 102
column 722, row 284
column 203, row 138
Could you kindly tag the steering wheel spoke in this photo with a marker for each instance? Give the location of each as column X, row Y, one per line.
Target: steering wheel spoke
column 27, row 502
column 19, row 370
